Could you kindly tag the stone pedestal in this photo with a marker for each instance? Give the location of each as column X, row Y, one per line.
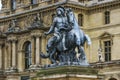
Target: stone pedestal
column 2, row 77
column 67, row 73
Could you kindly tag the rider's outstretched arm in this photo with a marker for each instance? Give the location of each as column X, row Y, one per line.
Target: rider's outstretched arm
column 51, row 30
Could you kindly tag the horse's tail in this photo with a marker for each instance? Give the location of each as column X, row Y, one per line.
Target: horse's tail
column 44, row 55
column 88, row 39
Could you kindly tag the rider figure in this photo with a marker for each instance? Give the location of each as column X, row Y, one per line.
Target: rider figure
column 59, row 26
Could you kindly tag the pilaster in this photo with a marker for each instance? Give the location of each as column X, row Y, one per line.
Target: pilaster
column 36, row 44
column 12, row 67
column 14, row 53
column 1, row 57
column 20, row 61
column 37, row 50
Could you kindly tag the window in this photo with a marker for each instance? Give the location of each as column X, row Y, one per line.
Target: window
column 13, row 4
column 107, row 50
column 28, row 58
column 80, row 19
column 107, row 17
column 33, row 1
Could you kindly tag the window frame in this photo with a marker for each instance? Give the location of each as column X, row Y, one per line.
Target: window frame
column 107, row 17
column 102, row 40
column 105, row 37
column 34, row 2
column 107, row 54
column 27, row 54
column 80, row 19
column 13, row 4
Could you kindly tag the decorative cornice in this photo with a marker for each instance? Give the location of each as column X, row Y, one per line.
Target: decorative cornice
column 105, row 34
column 44, row 8
column 12, row 38
column 107, row 26
column 105, row 64
column 19, row 32
column 2, row 36
column 27, row 31
column 65, row 3
column 36, row 34
column 21, row 51
column 112, row 35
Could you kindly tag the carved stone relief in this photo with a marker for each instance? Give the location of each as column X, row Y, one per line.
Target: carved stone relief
column 36, row 22
column 4, row 3
column 13, row 26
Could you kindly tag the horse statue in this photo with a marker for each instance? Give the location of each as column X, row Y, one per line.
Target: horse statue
column 81, row 37
column 75, row 38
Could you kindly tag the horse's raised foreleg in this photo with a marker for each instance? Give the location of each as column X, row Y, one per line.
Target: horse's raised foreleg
column 82, row 57
column 82, row 53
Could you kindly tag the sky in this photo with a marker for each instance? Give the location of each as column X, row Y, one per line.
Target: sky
column 0, row 5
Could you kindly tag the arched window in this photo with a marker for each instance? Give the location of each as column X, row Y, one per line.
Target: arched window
column 33, row 1
column 112, row 79
column 80, row 19
column 13, row 4
column 28, row 58
column 107, row 17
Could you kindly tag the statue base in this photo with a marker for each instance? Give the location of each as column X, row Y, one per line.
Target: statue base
column 67, row 72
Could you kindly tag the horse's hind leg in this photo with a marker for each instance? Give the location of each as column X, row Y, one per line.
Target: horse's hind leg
column 52, row 57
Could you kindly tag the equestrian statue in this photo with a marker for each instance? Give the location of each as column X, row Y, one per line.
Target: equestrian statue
column 67, row 43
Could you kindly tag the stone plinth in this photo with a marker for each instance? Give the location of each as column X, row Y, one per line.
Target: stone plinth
column 67, row 73
column 2, row 76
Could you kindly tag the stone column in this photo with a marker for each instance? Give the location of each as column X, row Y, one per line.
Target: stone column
column 33, row 50
column 6, row 56
column 37, row 50
column 14, row 54
column 43, row 49
column 9, row 53
column 20, row 60
column 43, row 44
column 1, row 57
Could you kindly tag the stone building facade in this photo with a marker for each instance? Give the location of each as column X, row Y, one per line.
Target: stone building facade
column 22, row 27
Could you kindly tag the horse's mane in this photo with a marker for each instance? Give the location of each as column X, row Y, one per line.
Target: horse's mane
column 74, row 18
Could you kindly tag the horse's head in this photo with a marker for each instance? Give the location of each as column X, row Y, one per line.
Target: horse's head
column 70, row 15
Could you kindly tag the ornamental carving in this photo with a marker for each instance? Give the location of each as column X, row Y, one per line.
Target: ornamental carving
column 37, row 22
column 13, row 26
column 4, row 3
